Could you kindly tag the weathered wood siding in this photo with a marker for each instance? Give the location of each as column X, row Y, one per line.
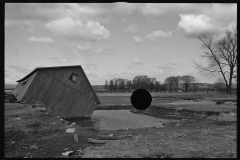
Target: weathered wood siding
column 63, row 75
column 65, row 98
column 21, row 88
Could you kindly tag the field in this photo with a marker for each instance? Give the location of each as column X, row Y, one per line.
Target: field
column 202, row 129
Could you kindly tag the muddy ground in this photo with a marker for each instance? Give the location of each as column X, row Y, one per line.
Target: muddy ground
column 37, row 133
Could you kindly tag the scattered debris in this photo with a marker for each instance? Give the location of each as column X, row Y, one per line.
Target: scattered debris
column 33, row 147
column 73, row 124
column 219, row 102
column 17, row 118
column 67, row 153
column 28, row 155
column 71, row 130
column 76, row 137
column 97, row 141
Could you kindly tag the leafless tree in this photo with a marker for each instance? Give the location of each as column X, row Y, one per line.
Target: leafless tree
column 187, row 80
column 176, row 80
column 219, row 83
column 169, row 82
column 221, row 55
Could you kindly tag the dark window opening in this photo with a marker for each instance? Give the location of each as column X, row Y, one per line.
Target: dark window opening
column 74, row 77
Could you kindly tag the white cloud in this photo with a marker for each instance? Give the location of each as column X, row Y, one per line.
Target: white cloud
column 89, row 50
column 137, row 62
column 194, row 25
column 137, row 39
column 132, row 28
column 77, row 30
column 40, row 39
column 157, row 34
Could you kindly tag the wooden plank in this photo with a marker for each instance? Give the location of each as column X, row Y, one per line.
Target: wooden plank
column 37, row 83
column 80, row 108
column 42, row 96
column 42, row 80
column 59, row 102
column 29, row 94
column 75, row 105
column 25, row 89
column 51, row 93
column 57, row 90
column 59, row 99
column 89, row 105
column 47, row 92
column 69, row 103
column 62, row 104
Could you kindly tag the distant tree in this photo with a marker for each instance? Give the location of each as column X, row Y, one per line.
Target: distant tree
column 115, row 86
column 195, row 87
column 157, row 86
column 176, row 80
column 106, row 85
column 111, row 86
column 169, row 82
column 221, row 55
column 219, row 84
column 187, row 80
column 129, row 85
column 122, row 86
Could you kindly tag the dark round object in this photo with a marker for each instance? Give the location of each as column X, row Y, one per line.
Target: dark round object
column 141, row 99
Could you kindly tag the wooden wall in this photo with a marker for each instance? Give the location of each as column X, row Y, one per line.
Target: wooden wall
column 65, row 98
column 21, row 89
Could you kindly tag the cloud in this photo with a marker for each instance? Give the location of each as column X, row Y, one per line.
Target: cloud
column 90, row 66
column 137, row 62
column 19, row 68
column 214, row 18
column 167, row 68
column 158, row 34
column 137, row 39
column 64, row 59
column 40, row 39
column 77, row 30
column 132, row 28
column 194, row 25
column 89, row 50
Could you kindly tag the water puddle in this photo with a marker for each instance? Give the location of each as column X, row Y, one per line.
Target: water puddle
column 120, row 119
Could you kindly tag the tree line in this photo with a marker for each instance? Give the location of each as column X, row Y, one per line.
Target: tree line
column 170, row 84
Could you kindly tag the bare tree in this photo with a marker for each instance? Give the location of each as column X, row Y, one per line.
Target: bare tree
column 219, row 83
column 221, row 55
column 176, row 80
column 187, row 80
column 106, row 85
column 169, row 82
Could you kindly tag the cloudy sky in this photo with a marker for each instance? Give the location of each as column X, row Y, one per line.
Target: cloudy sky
column 117, row 40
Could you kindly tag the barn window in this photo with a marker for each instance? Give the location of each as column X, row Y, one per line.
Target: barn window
column 73, row 77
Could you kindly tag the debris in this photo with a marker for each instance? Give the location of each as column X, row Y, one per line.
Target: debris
column 33, row 147
column 13, row 142
column 219, row 102
column 24, row 147
column 28, row 155
column 71, row 130
column 73, row 124
column 54, row 123
column 58, row 117
column 67, row 153
column 66, row 149
column 17, row 118
column 96, row 141
column 76, row 137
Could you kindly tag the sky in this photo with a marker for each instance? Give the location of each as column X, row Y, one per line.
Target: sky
column 114, row 40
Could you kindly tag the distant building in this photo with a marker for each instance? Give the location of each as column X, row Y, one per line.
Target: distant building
column 65, row 90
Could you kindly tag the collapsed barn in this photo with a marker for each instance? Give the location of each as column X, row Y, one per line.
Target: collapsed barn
column 65, row 90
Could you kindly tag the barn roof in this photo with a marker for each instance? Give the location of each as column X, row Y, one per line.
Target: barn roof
column 55, row 67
